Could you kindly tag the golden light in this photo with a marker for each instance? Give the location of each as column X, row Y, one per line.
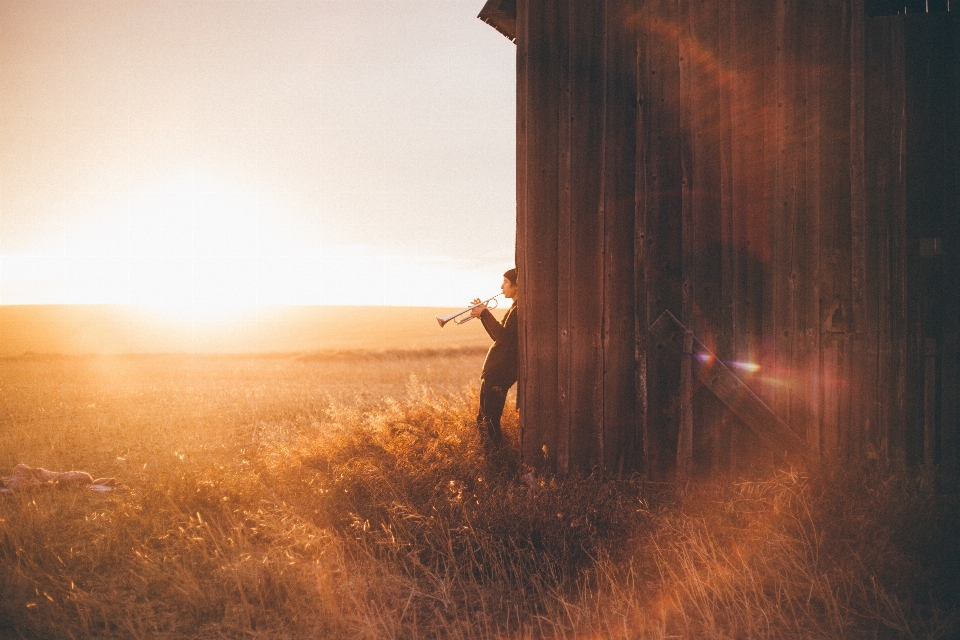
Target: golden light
column 201, row 249
column 188, row 248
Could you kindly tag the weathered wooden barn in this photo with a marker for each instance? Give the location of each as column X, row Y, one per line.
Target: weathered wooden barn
column 738, row 232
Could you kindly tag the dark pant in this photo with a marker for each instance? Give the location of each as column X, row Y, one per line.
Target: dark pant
column 492, row 399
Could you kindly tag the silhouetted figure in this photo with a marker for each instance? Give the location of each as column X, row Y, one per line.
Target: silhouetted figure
column 502, row 364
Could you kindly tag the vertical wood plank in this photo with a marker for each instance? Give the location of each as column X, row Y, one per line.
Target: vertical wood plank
column 880, row 175
column 898, row 260
column 566, row 233
column 863, row 351
column 915, row 78
column 690, row 219
column 729, row 268
column 618, row 204
column 835, row 251
column 929, row 408
column 706, row 138
column 587, row 300
column 661, row 177
column 641, row 278
column 542, row 89
column 886, row 90
column 685, row 435
column 688, row 224
column 783, row 268
column 750, row 196
column 948, row 412
column 831, row 367
column 843, row 239
column 774, row 17
column 811, row 244
column 922, row 137
column 795, row 272
column 586, row 23
column 751, row 26
column 521, row 251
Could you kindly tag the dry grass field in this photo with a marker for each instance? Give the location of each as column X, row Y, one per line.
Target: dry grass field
column 115, row 329
column 342, row 494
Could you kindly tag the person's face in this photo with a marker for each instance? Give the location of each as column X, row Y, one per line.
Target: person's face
column 509, row 289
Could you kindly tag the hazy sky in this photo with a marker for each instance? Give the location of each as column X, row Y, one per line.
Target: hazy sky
column 217, row 153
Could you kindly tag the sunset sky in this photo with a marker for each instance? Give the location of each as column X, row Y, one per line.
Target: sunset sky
column 208, row 155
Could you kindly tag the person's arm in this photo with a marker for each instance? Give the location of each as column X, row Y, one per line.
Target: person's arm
column 510, row 333
column 494, row 328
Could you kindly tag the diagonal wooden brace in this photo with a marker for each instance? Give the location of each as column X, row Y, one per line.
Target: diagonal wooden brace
column 733, row 392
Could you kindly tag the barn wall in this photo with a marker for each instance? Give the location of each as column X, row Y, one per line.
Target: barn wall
column 912, row 98
column 576, row 197
column 783, row 179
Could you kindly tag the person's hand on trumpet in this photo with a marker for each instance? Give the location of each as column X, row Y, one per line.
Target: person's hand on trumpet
column 478, row 309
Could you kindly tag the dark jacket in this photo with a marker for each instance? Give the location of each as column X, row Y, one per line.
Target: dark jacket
column 502, row 366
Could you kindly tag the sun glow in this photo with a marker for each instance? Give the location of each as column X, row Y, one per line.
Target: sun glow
column 206, row 250
column 186, row 247
column 202, row 253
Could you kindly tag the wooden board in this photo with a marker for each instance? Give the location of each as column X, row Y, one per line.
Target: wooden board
column 811, row 241
column 618, row 438
column 640, row 268
column 729, row 267
column 836, row 314
column 707, row 77
column 502, row 16
column 863, row 339
column 581, row 302
column 660, row 174
column 729, row 389
column 540, row 47
column 526, row 379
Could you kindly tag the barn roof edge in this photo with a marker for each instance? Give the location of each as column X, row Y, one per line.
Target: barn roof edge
column 502, row 16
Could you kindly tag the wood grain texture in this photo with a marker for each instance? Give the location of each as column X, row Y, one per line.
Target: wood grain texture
column 641, row 273
column 835, row 312
column 583, row 148
column 898, row 308
column 728, row 388
column 659, row 172
column 685, row 433
column 768, row 172
column 949, row 440
column 539, row 44
column 811, row 296
column 522, row 251
column 863, row 334
column 617, row 437
column 879, row 176
column 728, row 304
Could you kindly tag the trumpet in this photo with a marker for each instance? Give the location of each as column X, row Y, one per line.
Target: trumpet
column 456, row 316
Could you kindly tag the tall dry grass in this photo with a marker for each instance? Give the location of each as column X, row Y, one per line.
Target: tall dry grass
column 843, row 553
column 337, row 497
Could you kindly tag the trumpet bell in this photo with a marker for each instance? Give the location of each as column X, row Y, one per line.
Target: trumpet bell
column 454, row 317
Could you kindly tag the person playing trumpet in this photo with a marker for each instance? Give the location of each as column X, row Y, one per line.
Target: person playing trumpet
column 502, row 365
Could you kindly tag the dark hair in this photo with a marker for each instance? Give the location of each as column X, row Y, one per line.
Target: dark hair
column 511, row 276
